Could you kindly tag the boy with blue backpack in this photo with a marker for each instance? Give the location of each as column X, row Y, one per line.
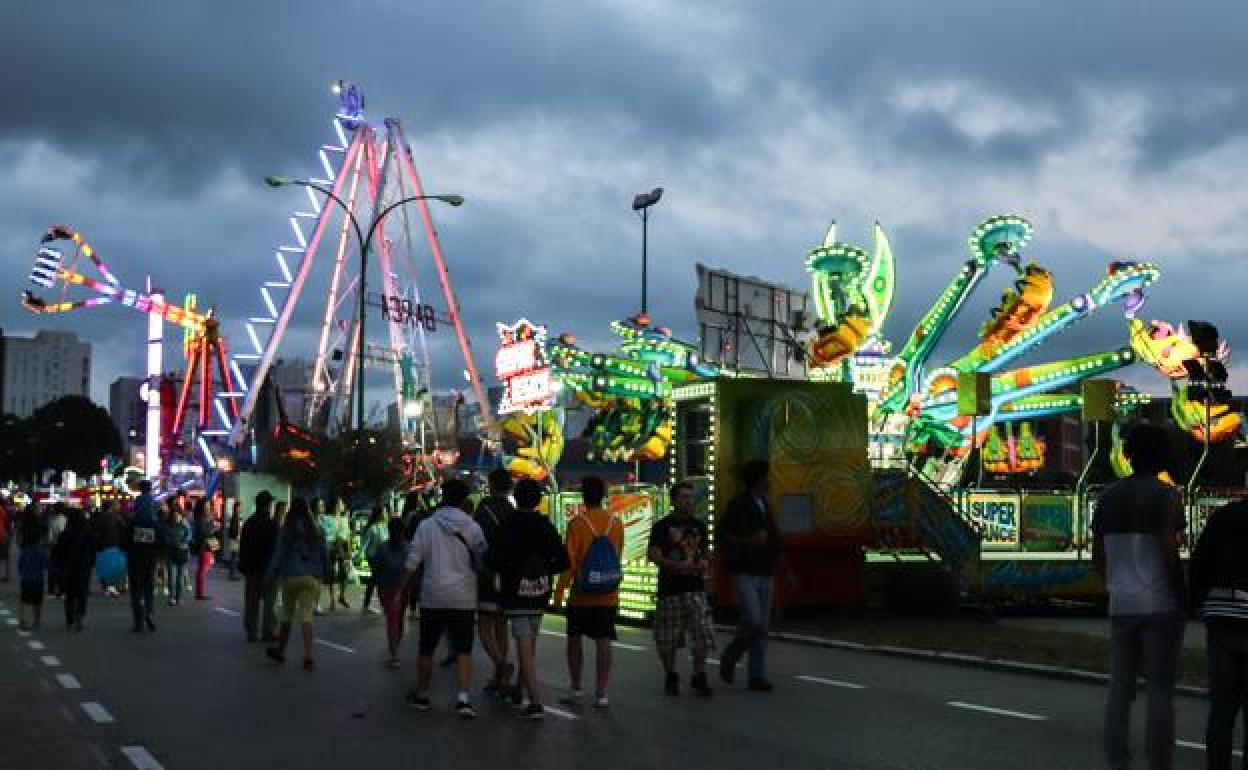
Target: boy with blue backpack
column 595, row 542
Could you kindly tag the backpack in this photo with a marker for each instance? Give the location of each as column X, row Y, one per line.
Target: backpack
column 600, row 571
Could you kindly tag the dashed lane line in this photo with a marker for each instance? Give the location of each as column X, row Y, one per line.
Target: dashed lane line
column 334, row 646
column 620, row 645
column 97, row 713
column 560, row 713
column 50, row 660
column 23, row 633
column 141, row 758
column 69, row 681
column 35, row 645
column 227, row 611
column 1202, row 747
column 11, row 621
column 999, row 712
column 831, row 682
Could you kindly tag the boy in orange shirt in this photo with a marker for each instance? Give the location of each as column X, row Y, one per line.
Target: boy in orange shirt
column 590, row 612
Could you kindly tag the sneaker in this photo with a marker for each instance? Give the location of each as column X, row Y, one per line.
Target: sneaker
column 534, row 711
column 573, row 698
column 671, row 684
column 275, row 654
column 417, row 701
column 700, row 685
column 759, row 684
column 309, row 664
column 600, row 701
column 464, row 710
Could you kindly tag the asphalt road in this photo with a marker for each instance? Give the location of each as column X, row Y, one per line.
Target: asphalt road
column 195, row 696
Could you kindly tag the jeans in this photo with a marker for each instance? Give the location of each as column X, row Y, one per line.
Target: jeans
column 1227, row 649
column 142, row 589
column 1148, row 646
column 175, row 578
column 754, row 608
column 259, row 602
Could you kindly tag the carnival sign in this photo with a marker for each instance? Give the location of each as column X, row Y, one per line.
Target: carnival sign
column 522, row 367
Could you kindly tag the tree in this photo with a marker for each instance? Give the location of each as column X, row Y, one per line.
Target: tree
column 15, row 457
column 364, row 465
column 71, row 433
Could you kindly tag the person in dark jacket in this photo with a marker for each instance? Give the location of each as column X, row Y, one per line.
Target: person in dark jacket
column 256, row 543
column 177, row 550
column 525, row 552
column 492, row 511
column 1219, row 591
column 748, row 543
column 74, row 556
column 142, row 544
column 105, row 529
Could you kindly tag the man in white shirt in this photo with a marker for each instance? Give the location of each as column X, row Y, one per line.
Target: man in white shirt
column 450, row 547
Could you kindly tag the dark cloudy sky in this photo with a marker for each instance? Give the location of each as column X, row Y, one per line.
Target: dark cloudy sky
column 1117, row 127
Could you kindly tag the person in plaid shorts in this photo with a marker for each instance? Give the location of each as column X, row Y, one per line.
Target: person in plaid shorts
column 679, row 546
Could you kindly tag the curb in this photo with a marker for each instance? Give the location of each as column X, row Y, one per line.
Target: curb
column 960, row 659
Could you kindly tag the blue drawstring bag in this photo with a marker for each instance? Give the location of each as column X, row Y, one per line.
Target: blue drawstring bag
column 110, row 565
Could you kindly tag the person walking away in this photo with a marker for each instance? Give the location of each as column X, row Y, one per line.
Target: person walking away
column 32, row 568
column 595, row 542
column 450, row 547
column 525, row 552
column 5, row 544
column 177, row 550
column 387, row 560
column 74, row 557
column 106, row 533
column 164, row 518
column 1136, row 535
column 298, row 565
column 233, row 530
column 375, row 533
column 257, row 540
column 203, row 542
column 279, row 512
column 748, row 541
column 57, row 519
column 680, row 547
column 493, row 510
column 141, row 543
column 1219, row 576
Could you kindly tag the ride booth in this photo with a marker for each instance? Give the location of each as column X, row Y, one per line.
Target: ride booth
column 814, row 437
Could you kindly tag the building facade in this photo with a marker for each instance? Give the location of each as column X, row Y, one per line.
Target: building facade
column 42, row 368
column 127, row 409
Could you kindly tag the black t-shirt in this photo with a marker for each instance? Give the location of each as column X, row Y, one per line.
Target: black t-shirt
column 680, row 538
column 745, row 516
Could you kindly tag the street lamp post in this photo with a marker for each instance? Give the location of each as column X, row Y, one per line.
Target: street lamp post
column 642, row 202
column 365, row 241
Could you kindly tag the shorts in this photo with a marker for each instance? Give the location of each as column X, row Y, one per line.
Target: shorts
column 32, row 592
column 594, row 622
column 299, row 595
column 682, row 617
column 525, row 626
column 458, row 624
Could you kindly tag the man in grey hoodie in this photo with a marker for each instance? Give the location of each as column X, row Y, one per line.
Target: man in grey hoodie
column 449, row 546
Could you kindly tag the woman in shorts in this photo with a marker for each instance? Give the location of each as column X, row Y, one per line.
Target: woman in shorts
column 298, row 564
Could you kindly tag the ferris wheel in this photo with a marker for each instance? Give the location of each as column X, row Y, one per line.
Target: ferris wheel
column 368, row 177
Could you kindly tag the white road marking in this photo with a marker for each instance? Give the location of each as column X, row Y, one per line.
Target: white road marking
column 69, row 681
column 999, row 712
column 50, row 660
column 11, row 621
column 23, row 633
column 560, row 712
column 1202, row 747
column 227, row 611
column 831, row 682
column 35, row 645
column 334, row 646
column 627, row 646
column 548, row 632
column 141, row 758
column 98, row 713
column 4, row 611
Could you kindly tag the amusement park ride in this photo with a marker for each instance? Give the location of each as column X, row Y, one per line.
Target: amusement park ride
column 874, row 421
